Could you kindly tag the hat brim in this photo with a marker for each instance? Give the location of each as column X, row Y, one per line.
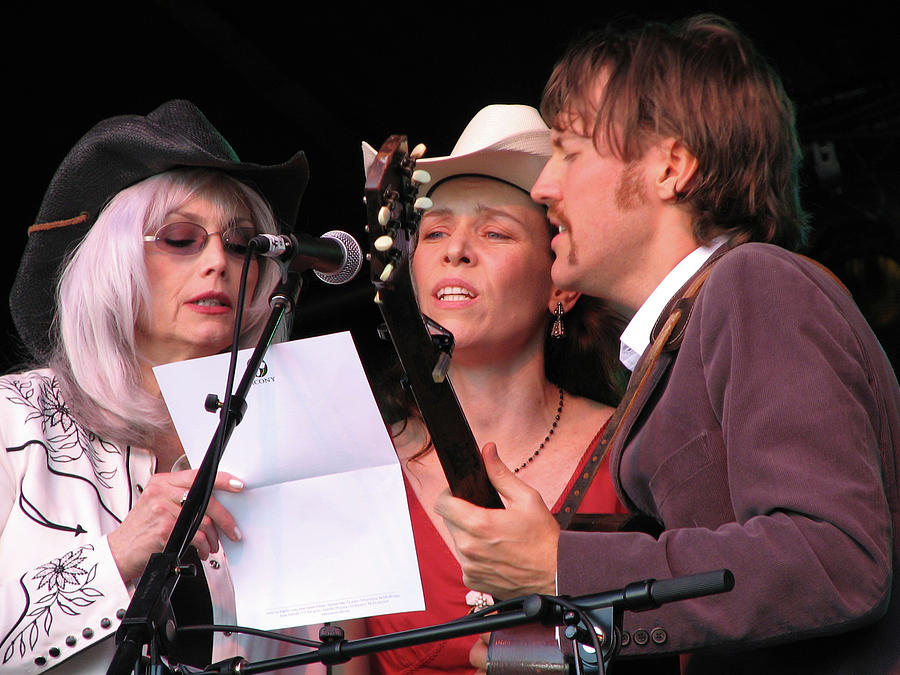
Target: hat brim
column 520, row 168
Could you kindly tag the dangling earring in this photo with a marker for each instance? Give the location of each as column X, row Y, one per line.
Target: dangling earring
column 558, row 330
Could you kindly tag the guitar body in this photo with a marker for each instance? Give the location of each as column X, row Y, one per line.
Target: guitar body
column 526, row 649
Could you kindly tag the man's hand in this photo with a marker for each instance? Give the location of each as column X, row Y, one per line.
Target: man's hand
column 505, row 552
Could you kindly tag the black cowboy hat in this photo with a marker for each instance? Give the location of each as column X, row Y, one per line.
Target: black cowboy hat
column 116, row 153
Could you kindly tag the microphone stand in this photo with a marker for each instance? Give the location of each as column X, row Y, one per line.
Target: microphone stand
column 149, row 619
column 592, row 622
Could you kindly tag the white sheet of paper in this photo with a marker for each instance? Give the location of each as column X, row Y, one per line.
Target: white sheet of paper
column 323, row 513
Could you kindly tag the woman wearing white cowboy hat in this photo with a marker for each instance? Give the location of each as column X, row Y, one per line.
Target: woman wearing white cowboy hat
column 534, row 368
column 134, row 261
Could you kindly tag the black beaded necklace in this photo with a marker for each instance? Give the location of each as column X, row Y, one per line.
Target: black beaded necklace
column 549, row 434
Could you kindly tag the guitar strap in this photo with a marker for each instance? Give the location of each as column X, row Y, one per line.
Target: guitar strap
column 665, row 339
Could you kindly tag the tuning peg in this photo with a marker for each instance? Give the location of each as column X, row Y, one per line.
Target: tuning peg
column 421, row 176
column 423, row 204
column 384, row 216
column 378, row 297
column 387, row 272
column 418, row 151
column 384, row 243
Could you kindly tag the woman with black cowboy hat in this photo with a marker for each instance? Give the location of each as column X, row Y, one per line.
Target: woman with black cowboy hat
column 135, row 261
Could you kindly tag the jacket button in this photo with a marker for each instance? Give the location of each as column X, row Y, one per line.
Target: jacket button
column 641, row 637
column 70, row 641
column 54, row 651
column 659, row 636
column 40, row 661
column 105, row 623
column 120, row 614
column 87, row 633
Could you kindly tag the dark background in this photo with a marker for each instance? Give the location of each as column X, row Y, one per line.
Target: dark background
column 274, row 79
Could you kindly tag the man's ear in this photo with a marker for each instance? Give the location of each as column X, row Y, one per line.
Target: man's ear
column 567, row 298
column 676, row 167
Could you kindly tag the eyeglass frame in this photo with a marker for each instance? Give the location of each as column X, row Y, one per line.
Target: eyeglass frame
column 230, row 248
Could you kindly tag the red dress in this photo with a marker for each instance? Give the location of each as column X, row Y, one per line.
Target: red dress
column 445, row 594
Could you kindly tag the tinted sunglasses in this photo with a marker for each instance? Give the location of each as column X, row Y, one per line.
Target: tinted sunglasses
column 186, row 238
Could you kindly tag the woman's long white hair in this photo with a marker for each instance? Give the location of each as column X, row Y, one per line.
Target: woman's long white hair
column 104, row 291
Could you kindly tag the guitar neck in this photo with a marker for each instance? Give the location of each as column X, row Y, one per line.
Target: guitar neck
column 450, row 434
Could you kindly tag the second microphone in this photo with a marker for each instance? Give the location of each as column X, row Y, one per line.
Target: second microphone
column 335, row 257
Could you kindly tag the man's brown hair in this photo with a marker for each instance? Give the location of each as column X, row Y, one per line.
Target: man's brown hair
column 702, row 82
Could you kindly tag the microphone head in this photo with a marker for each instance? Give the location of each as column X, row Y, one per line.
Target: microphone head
column 352, row 259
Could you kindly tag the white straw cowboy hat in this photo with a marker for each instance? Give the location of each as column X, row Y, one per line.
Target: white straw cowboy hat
column 506, row 142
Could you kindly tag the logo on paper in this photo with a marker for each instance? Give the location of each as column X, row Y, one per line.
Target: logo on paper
column 261, row 373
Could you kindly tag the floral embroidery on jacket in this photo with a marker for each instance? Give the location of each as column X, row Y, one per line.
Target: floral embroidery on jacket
column 67, row 580
column 67, row 440
column 64, row 585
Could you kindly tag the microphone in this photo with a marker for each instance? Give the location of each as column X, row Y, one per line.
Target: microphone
column 335, row 257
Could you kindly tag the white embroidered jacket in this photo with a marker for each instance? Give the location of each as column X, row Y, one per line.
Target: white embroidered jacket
column 62, row 490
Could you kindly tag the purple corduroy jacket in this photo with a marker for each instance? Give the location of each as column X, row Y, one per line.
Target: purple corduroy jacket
column 768, row 446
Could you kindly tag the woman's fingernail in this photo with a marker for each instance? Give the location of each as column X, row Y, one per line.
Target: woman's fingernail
column 236, row 483
column 236, row 534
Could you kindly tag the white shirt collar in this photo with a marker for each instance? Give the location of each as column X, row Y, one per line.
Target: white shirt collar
column 636, row 336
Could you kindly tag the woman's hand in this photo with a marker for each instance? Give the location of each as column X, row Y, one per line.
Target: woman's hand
column 147, row 526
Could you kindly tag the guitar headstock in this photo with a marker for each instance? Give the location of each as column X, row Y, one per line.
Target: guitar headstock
column 393, row 210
